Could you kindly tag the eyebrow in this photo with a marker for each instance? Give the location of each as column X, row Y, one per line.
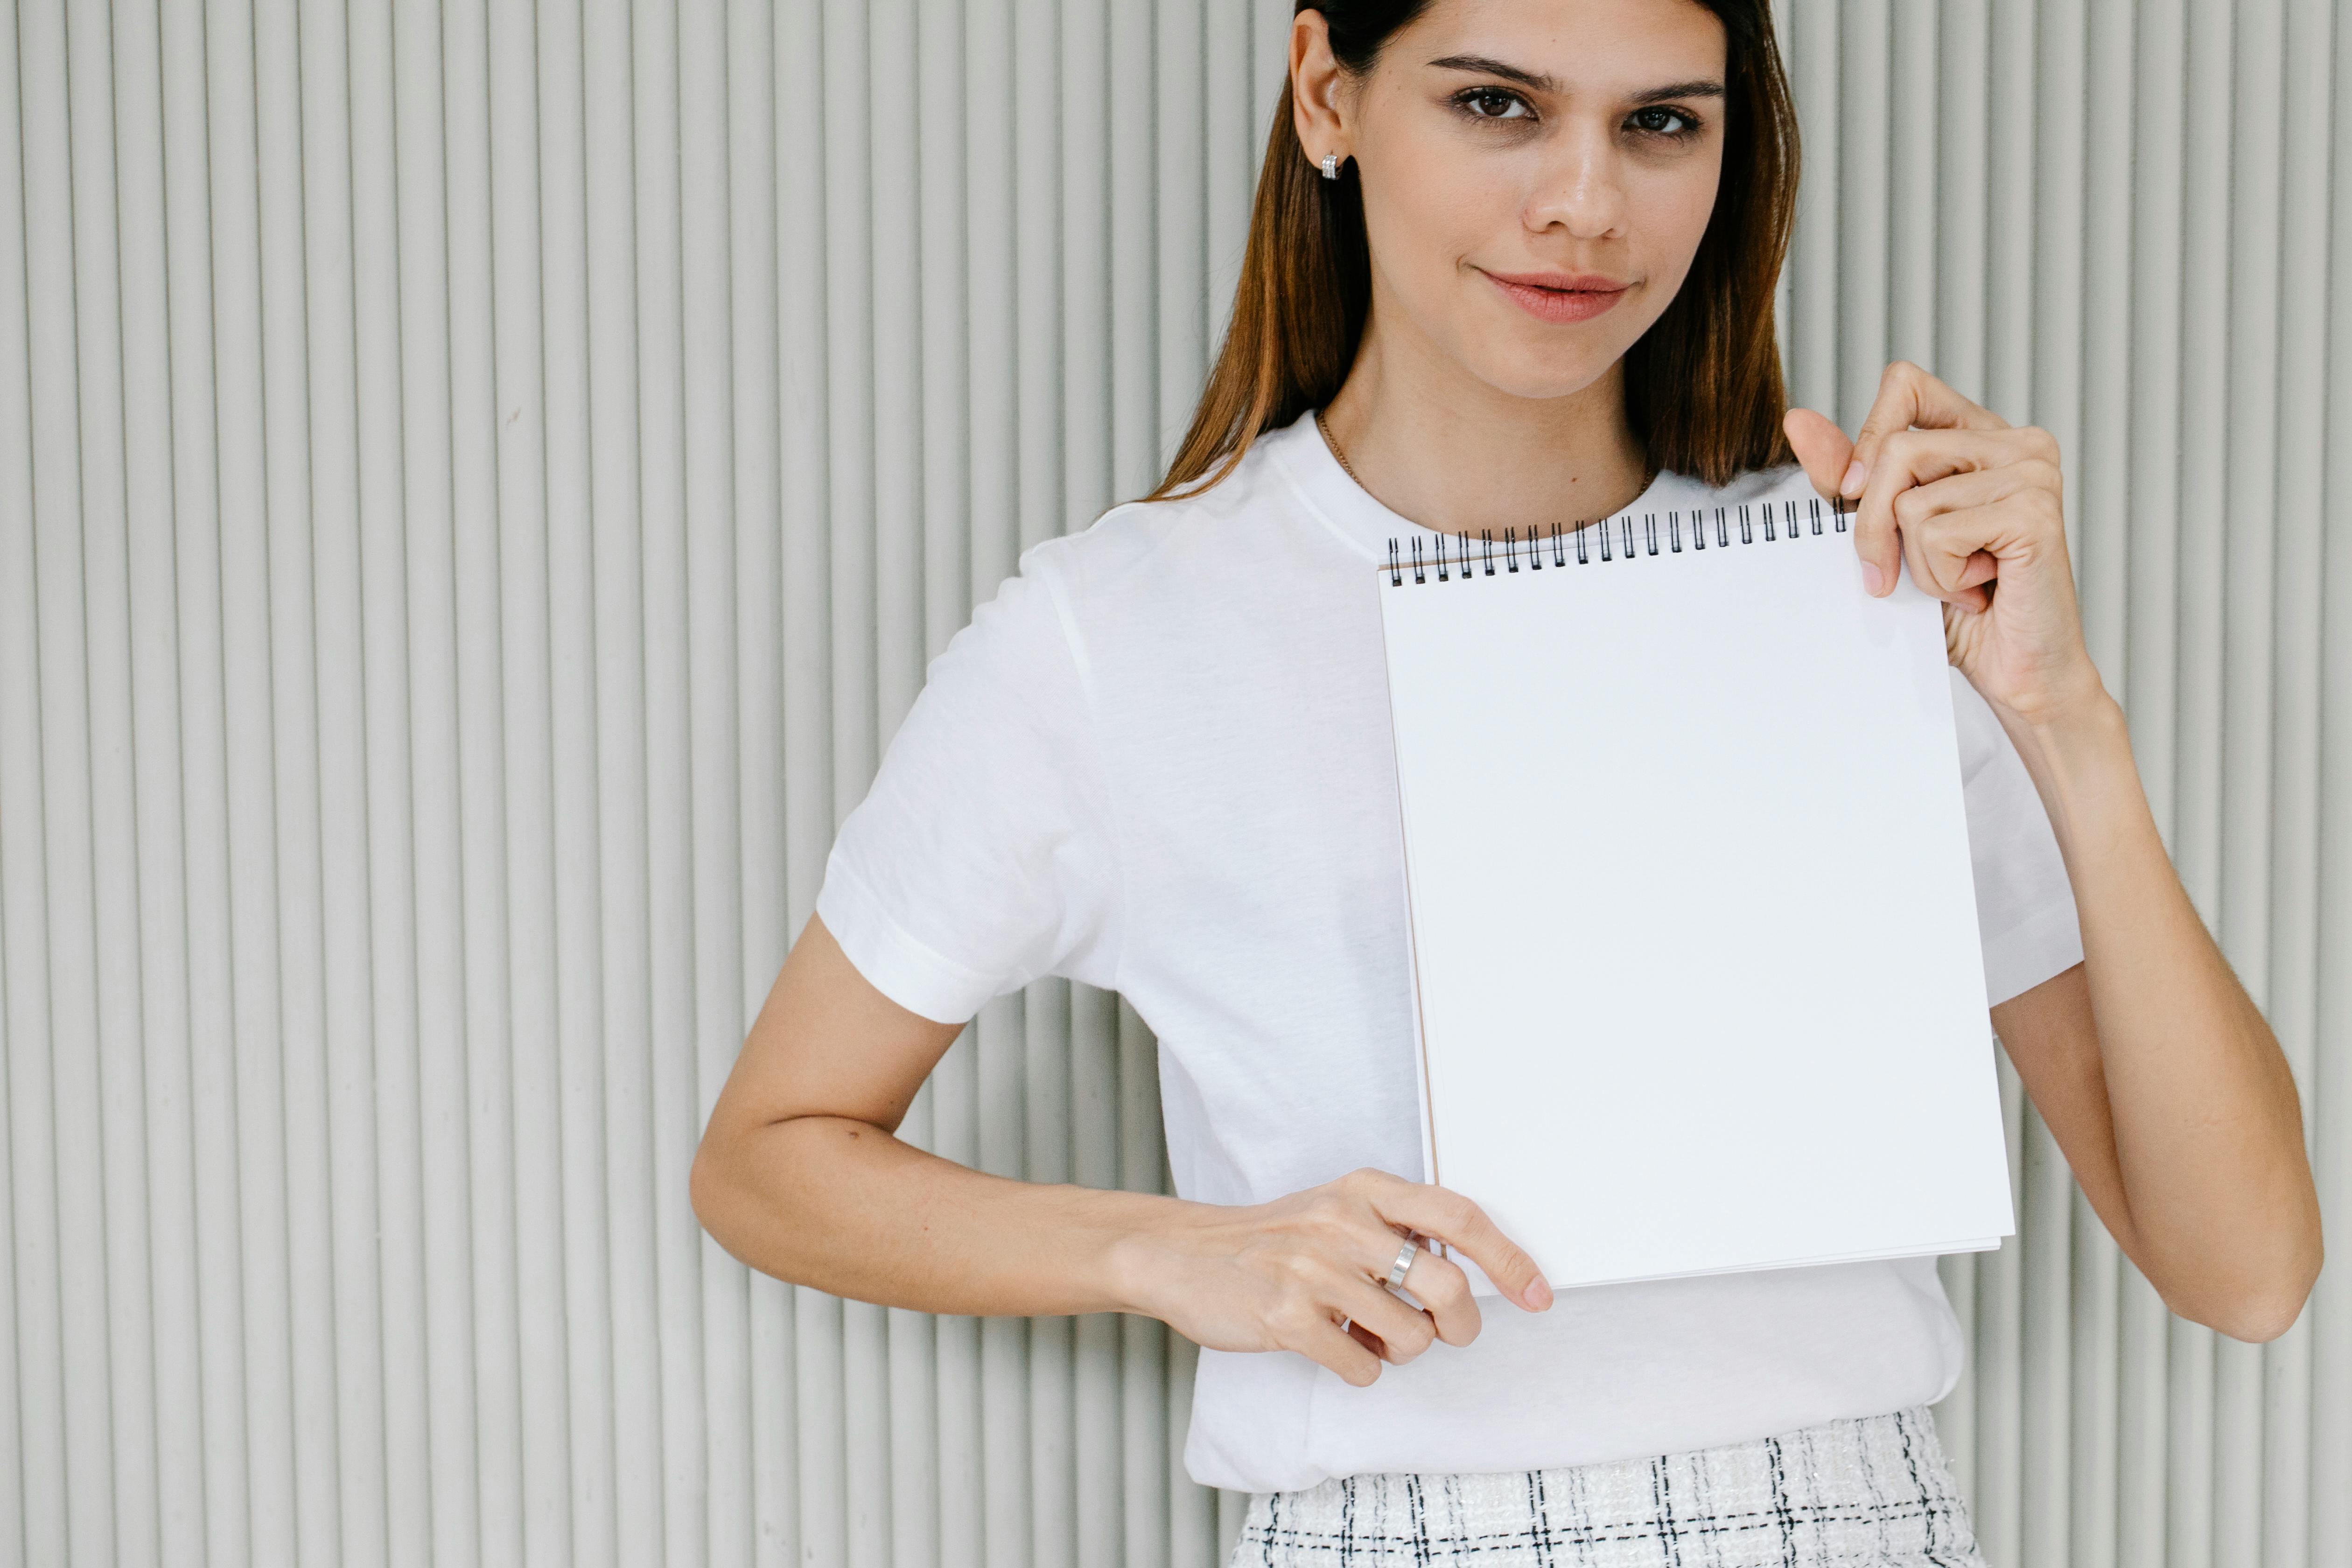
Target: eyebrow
column 1539, row 82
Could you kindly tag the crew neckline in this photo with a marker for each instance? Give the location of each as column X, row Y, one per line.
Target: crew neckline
column 1360, row 520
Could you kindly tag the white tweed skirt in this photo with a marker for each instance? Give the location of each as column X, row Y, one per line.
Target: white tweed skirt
column 1875, row 1491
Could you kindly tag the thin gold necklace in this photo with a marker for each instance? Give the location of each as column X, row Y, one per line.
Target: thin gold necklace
column 1649, row 475
column 1323, row 425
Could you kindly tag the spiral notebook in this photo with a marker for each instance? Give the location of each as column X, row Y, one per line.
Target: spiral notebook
column 1694, row 953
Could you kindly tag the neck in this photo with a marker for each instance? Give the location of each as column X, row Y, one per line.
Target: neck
column 1447, row 451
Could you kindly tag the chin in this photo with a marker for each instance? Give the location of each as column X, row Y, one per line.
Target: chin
column 1534, row 376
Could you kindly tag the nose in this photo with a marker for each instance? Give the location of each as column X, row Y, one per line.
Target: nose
column 1579, row 185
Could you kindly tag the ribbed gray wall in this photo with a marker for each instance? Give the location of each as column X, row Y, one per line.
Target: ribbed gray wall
column 478, row 487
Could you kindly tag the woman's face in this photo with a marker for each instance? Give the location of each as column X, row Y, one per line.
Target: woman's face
column 1536, row 175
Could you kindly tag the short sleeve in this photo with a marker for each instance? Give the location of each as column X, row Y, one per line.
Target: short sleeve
column 984, row 856
column 2025, row 905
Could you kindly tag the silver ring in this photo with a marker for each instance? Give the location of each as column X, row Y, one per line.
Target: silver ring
column 1403, row 1264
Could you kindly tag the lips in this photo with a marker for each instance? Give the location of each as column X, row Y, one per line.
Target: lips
column 1572, row 282
column 1560, row 296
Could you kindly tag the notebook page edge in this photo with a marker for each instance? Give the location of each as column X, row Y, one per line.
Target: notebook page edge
column 1426, row 1124
column 1481, row 1286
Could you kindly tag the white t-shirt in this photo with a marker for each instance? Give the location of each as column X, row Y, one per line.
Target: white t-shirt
column 1159, row 762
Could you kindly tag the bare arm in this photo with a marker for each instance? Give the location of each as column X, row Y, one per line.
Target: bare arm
column 2158, row 1075
column 800, row 1175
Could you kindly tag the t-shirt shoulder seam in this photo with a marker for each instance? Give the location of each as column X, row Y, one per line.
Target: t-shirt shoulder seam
column 1074, row 643
column 1075, row 544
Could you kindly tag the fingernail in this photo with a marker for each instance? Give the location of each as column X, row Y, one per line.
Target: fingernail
column 1873, row 578
column 1539, row 1293
column 1855, row 473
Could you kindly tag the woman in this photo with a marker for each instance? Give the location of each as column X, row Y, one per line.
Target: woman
column 1511, row 262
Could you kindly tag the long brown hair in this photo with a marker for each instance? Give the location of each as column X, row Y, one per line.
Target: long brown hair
column 1703, row 387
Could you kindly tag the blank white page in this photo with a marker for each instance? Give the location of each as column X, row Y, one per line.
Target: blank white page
column 1694, row 949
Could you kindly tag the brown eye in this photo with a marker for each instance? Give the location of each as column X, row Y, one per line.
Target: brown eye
column 1492, row 103
column 1689, row 126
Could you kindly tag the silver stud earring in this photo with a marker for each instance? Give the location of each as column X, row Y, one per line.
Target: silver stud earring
column 1330, row 165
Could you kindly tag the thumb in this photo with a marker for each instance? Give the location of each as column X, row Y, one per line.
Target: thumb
column 1820, row 446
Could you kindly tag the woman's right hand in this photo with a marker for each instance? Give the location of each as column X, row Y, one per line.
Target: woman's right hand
column 1287, row 1275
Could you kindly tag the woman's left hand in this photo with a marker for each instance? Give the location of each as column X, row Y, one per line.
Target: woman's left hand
column 1971, row 505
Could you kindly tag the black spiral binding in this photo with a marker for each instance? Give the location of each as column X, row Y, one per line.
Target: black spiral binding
column 1755, row 519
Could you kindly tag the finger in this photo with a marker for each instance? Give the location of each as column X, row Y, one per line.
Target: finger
column 1405, row 1329
column 1958, row 530
column 1909, row 397
column 1820, row 446
column 1950, row 554
column 1934, row 553
column 1444, row 1292
column 1950, row 471
column 1909, row 458
column 1323, row 1341
column 1377, row 1255
column 1436, row 1286
column 1456, row 1221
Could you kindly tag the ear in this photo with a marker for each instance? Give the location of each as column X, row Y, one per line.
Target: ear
column 1315, row 78
column 1820, row 446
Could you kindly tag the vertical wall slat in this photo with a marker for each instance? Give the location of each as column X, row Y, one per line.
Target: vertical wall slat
column 239, row 309
column 294, row 687
column 542, row 1513
column 154, row 759
column 391, row 1179
column 2329, row 1098
column 209, row 1113
column 2297, row 801
column 496, row 1493
column 434, row 1160
column 632, row 471
column 53, row 1524
column 340, row 765
column 112, row 1098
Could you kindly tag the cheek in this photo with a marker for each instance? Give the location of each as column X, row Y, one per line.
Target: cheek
column 1431, row 215
column 1432, row 209
column 1670, row 208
